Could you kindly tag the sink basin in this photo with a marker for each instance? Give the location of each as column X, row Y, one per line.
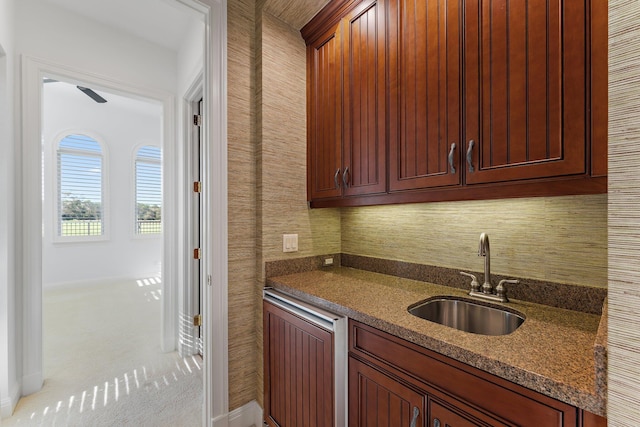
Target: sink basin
column 467, row 315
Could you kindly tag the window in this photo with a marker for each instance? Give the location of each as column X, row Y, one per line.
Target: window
column 80, row 187
column 148, row 190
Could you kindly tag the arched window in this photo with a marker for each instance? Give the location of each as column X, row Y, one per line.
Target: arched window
column 80, row 187
column 148, row 190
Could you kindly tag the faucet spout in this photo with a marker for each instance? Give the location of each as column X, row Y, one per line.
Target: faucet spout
column 483, row 250
column 487, row 290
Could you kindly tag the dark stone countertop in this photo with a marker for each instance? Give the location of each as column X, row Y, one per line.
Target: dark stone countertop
column 554, row 352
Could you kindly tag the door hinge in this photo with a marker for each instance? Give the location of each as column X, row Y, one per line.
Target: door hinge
column 196, row 253
column 197, row 187
column 197, row 320
column 197, row 120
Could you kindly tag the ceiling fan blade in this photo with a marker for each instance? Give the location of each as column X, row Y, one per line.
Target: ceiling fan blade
column 91, row 94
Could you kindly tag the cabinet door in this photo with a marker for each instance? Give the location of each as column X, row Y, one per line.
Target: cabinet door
column 324, row 127
column 364, row 149
column 298, row 371
column 424, row 89
column 376, row 400
column 525, row 89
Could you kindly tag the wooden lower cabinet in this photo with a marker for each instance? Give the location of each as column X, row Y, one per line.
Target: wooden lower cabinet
column 378, row 400
column 389, row 377
column 298, row 371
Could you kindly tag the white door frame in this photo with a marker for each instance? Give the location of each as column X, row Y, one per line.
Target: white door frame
column 214, row 199
column 215, row 265
column 188, row 340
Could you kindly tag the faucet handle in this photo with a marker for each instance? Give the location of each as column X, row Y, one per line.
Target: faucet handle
column 475, row 286
column 501, row 290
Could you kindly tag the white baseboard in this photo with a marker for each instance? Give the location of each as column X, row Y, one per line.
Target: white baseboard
column 32, row 383
column 247, row 415
column 8, row 403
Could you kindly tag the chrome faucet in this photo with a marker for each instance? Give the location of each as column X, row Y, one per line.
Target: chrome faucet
column 483, row 250
column 487, row 289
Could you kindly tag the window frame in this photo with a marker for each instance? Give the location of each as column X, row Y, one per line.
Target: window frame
column 55, row 190
column 134, row 193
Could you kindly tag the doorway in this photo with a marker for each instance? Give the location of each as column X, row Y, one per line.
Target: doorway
column 214, row 202
column 102, row 228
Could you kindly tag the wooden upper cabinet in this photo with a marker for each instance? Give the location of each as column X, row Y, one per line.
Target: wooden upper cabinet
column 425, row 94
column 525, row 89
column 433, row 100
column 364, row 152
column 346, row 103
column 324, row 105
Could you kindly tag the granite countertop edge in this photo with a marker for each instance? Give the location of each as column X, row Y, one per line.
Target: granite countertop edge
column 593, row 400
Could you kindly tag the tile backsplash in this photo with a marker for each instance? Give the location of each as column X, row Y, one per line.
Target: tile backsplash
column 556, row 239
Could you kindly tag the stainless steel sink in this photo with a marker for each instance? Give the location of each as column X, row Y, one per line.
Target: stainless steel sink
column 467, row 315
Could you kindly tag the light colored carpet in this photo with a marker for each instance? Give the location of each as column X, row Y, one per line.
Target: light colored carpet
column 103, row 364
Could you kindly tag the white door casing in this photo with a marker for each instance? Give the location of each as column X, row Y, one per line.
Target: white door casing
column 188, row 335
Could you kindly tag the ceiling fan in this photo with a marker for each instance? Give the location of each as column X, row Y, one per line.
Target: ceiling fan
column 89, row 92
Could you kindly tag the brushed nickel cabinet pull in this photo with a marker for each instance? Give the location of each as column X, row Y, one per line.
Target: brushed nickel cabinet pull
column 469, row 154
column 414, row 420
column 335, row 178
column 452, row 168
column 345, row 177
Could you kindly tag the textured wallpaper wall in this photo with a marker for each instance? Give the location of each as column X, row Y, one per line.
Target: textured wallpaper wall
column 282, row 148
column 557, row 239
column 624, row 213
column 242, row 200
column 281, row 157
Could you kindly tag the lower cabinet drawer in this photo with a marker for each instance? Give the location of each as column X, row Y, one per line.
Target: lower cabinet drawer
column 466, row 395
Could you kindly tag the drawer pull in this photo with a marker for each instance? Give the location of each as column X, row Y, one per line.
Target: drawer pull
column 452, row 168
column 436, row 422
column 414, row 420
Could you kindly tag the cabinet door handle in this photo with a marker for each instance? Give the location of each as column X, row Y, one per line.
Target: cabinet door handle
column 335, row 178
column 436, row 422
column 452, row 168
column 414, row 420
column 469, row 153
column 345, row 177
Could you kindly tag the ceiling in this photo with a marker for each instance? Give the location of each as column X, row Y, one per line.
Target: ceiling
column 294, row 12
column 70, row 93
column 163, row 22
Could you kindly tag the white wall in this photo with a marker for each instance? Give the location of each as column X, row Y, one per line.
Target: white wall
column 9, row 366
column 52, row 33
column 190, row 60
column 61, row 37
column 121, row 127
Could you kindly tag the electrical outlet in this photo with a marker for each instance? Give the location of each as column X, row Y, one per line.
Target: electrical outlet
column 289, row 243
column 328, row 261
